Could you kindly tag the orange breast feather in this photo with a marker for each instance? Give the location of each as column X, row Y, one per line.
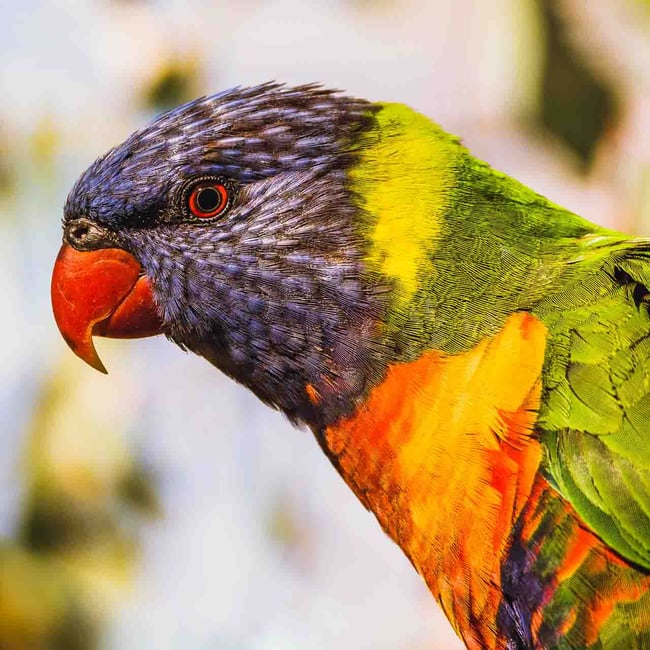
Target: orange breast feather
column 442, row 452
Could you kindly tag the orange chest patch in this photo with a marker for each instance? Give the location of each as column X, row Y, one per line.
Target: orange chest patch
column 442, row 453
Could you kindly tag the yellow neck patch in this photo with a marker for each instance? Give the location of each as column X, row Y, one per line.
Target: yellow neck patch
column 405, row 178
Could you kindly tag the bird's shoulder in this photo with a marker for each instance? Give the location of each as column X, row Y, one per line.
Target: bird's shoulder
column 594, row 419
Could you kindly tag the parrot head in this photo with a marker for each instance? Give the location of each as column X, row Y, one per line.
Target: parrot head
column 229, row 224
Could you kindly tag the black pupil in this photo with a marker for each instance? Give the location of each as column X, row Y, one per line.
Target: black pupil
column 208, row 199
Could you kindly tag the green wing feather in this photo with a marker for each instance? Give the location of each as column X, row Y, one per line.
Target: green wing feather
column 596, row 405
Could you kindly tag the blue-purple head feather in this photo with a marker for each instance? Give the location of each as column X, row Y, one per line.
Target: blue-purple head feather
column 271, row 291
column 246, row 134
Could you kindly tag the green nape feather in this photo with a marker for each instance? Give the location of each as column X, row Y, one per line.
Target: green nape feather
column 464, row 245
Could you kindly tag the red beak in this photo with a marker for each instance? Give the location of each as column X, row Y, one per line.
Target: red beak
column 101, row 293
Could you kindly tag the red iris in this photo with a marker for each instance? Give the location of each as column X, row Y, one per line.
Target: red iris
column 207, row 200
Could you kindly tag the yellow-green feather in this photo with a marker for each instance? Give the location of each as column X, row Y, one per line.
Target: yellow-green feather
column 407, row 210
column 465, row 247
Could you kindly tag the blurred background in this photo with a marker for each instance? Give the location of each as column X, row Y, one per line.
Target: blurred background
column 162, row 506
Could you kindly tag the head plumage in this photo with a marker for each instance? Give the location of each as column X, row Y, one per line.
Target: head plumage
column 246, row 134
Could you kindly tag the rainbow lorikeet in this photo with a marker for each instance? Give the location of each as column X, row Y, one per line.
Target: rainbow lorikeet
column 473, row 359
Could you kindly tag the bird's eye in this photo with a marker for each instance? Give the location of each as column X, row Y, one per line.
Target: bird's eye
column 208, row 199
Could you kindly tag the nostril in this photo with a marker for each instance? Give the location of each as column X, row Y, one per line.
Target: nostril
column 79, row 232
column 83, row 234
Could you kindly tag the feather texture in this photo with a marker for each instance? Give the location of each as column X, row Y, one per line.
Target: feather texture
column 474, row 359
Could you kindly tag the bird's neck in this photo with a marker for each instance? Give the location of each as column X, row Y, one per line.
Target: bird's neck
column 441, row 452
